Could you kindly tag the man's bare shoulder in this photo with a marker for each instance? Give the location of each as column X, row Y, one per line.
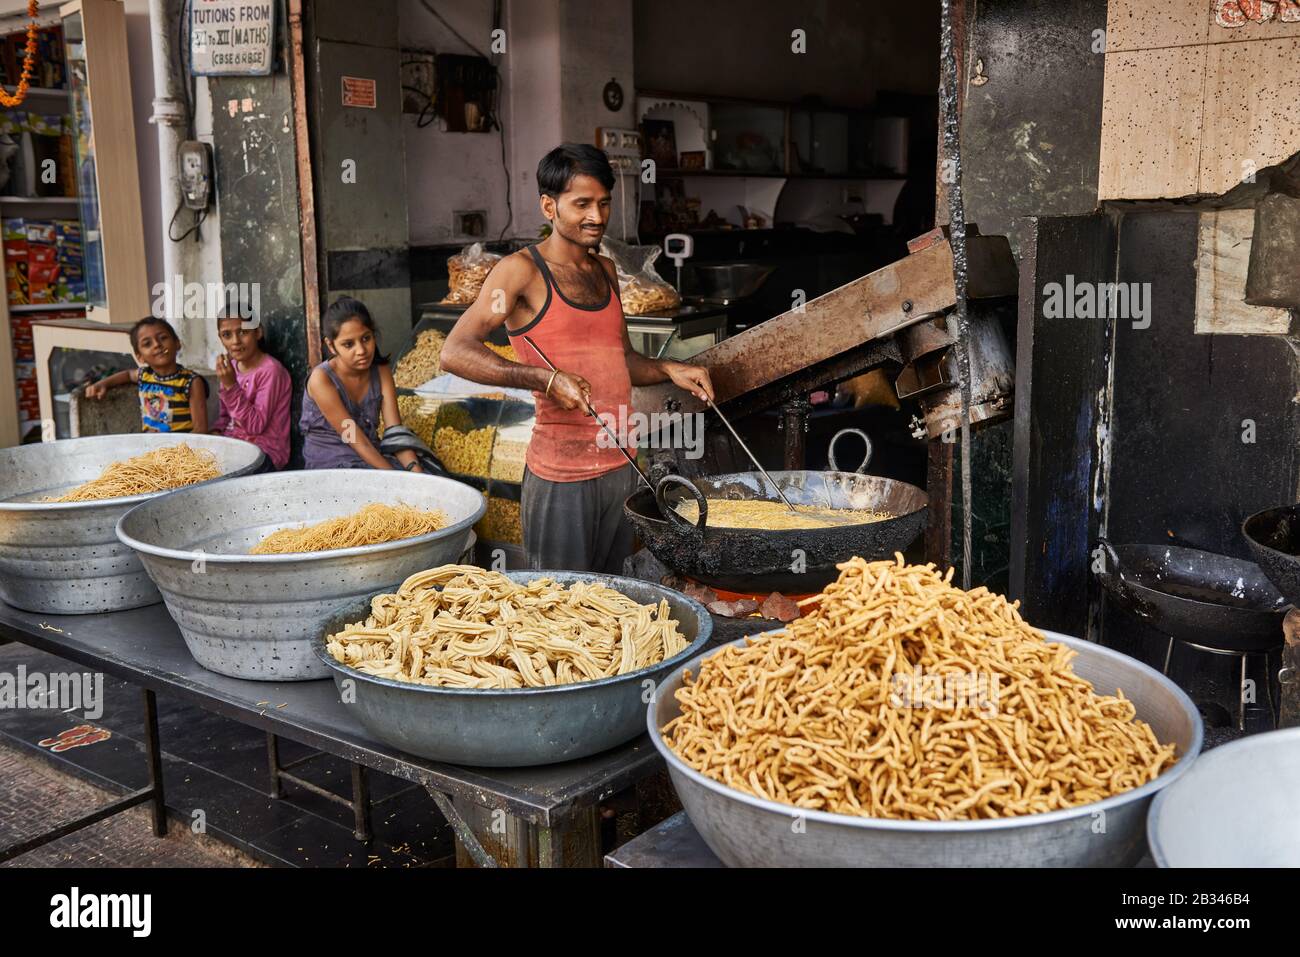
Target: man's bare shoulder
column 518, row 267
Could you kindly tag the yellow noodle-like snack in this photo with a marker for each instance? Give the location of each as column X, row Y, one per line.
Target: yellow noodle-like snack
column 459, row 626
column 903, row 696
column 774, row 516
column 421, row 363
column 501, row 522
column 172, row 466
column 373, row 525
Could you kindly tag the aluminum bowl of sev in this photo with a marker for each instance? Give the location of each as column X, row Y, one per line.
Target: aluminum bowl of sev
column 510, row 669
column 251, row 569
column 60, row 501
column 908, row 723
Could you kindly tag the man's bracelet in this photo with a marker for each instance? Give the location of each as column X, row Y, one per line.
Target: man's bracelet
column 551, row 382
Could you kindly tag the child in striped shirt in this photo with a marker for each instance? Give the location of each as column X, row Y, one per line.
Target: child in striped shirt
column 172, row 397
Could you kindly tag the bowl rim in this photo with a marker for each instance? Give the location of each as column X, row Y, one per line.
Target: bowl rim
column 1181, row 765
column 704, row 629
column 792, row 535
column 130, row 500
column 215, row 558
column 1209, row 760
column 1255, row 543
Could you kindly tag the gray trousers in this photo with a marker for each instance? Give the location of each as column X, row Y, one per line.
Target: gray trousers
column 577, row 526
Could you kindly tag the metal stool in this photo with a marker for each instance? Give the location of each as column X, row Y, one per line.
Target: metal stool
column 1271, row 680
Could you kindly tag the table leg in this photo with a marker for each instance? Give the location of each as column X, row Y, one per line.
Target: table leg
column 151, row 795
column 1241, row 695
column 153, row 755
column 361, row 803
column 273, row 759
column 469, row 851
column 575, row 843
column 491, row 837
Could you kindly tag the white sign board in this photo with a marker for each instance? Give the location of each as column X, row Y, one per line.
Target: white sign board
column 232, row 37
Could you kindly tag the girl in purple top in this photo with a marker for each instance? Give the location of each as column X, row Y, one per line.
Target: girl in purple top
column 347, row 394
column 255, row 392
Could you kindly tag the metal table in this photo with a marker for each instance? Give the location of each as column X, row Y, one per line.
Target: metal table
column 545, row 816
column 671, row 843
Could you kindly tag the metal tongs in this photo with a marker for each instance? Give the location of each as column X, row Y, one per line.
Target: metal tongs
column 737, row 437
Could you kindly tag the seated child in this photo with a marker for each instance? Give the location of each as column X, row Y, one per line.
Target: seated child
column 172, row 397
column 348, row 394
column 255, row 392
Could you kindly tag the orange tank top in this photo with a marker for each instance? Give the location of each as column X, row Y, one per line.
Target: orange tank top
column 585, row 341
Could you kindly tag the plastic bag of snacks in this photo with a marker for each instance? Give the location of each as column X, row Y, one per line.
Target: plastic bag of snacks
column 466, row 272
column 639, row 286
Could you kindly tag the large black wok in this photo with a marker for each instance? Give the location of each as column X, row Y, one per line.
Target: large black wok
column 793, row 562
column 1274, row 539
column 1208, row 600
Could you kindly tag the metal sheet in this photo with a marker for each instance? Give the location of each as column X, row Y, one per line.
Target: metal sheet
column 361, row 189
column 1204, row 426
column 1032, row 132
column 257, row 187
column 1061, row 378
column 871, row 307
column 367, row 211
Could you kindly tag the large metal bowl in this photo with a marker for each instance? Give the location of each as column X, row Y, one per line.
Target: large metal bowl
column 519, row 727
column 1236, row 807
column 255, row 616
column 62, row 558
column 746, row 831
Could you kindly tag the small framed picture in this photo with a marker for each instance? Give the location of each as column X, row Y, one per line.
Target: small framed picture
column 660, row 137
column 693, row 159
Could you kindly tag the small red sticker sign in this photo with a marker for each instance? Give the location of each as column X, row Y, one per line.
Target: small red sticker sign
column 359, row 91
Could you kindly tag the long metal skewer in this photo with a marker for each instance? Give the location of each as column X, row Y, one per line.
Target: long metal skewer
column 749, row 453
column 599, row 421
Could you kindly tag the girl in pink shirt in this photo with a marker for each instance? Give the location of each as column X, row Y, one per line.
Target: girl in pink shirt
column 255, row 392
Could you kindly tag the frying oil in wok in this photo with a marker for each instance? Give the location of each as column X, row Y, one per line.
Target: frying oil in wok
column 774, row 516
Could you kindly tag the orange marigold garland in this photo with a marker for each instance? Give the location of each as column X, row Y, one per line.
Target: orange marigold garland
column 29, row 60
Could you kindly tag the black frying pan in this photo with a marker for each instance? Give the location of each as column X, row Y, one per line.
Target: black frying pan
column 1227, row 604
column 758, row 560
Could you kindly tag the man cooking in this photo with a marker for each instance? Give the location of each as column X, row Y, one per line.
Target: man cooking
column 564, row 296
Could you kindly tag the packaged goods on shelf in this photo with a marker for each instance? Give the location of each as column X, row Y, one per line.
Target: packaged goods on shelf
column 20, row 334
column 72, row 274
column 14, row 232
column 42, row 262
